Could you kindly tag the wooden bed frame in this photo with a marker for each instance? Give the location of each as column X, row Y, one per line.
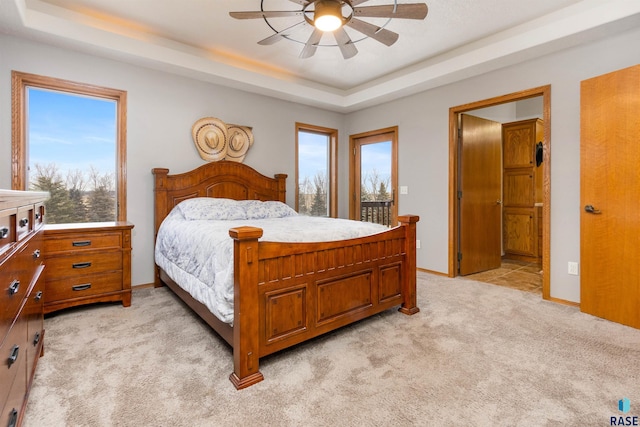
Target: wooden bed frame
column 287, row 293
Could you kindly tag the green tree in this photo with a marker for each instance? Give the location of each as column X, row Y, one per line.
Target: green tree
column 319, row 205
column 59, row 207
column 76, row 184
column 101, row 202
column 383, row 195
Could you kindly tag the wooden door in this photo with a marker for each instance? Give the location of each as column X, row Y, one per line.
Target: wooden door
column 374, row 176
column 480, row 185
column 610, row 196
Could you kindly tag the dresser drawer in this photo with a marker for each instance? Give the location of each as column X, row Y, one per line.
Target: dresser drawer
column 7, row 229
column 83, row 264
column 14, row 283
column 85, row 286
column 12, row 356
column 83, row 242
column 24, row 222
column 16, row 392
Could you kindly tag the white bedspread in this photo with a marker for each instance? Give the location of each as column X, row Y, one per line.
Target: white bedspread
column 197, row 253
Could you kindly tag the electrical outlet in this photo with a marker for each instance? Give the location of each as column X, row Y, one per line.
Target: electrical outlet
column 417, row 244
column 573, row 268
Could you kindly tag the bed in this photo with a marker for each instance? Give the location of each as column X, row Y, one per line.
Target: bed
column 285, row 293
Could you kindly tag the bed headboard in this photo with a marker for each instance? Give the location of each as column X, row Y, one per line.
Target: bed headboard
column 231, row 180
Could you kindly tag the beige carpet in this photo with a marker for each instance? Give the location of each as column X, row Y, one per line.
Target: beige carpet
column 476, row 355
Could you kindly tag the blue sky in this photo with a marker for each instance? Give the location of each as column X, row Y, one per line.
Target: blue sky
column 71, row 131
column 312, row 156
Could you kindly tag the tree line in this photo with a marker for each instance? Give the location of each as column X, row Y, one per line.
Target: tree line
column 82, row 196
column 312, row 192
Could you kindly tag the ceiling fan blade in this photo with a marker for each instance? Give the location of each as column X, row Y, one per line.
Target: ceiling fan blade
column 265, row 14
column 404, row 11
column 312, row 44
column 280, row 35
column 303, row 2
column 345, row 44
column 357, row 2
column 380, row 34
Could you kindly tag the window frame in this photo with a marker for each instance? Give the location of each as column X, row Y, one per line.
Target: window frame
column 19, row 83
column 332, row 167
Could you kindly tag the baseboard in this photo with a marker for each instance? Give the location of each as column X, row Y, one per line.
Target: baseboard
column 564, row 302
column 437, row 273
column 142, row 286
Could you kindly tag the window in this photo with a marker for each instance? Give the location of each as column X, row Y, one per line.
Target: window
column 316, row 182
column 69, row 140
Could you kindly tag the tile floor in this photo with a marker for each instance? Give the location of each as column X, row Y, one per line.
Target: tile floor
column 513, row 274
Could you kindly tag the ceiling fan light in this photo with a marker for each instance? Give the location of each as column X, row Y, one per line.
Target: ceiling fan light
column 328, row 15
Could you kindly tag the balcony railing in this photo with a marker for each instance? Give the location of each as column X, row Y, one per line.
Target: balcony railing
column 376, row 212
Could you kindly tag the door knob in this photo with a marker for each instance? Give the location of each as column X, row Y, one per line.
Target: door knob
column 590, row 209
column 498, row 202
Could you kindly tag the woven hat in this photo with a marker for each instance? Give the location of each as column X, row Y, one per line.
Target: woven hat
column 210, row 136
column 240, row 139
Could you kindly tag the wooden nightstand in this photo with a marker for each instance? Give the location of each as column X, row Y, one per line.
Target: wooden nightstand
column 87, row 263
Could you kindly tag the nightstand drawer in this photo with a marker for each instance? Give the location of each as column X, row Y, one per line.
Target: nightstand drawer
column 83, row 264
column 83, row 242
column 78, row 287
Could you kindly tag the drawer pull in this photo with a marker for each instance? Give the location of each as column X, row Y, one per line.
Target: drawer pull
column 23, row 222
column 36, row 339
column 14, row 286
column 15, row 350
column 83, row 287
column 36, row 254
column 38, row 296
column 81, row 265
column 37, row 216
column 4, row 232
column 81, row 243
column 13, row 418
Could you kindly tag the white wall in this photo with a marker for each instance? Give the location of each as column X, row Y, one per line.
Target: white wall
column 161, row 108
column 424, row 145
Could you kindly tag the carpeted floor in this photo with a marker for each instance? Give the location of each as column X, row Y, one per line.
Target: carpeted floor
column 476, row 355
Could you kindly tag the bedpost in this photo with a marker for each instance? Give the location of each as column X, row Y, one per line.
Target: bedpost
column 409, row 298
column 246, row 339
column 161, row 209
column 282, row 186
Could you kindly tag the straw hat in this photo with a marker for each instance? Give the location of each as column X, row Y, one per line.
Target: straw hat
column 239, row 139
column 210, row 136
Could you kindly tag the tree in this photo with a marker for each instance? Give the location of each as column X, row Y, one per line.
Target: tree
column 102, row 202
column 305, row 190
column 319, row 205
column 76, row 184
column 383, row 195
column 59, row 207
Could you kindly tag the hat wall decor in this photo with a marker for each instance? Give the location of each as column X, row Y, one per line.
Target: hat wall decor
column 216, row 140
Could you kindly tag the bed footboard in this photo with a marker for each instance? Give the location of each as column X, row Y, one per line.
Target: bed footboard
column 287, row 293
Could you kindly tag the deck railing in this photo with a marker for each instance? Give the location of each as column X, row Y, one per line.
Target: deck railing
column 378, row 212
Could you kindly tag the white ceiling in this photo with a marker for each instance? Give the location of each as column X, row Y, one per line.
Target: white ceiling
column 198, row 38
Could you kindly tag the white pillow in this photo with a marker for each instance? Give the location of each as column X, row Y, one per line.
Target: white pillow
column 207, row 208
column 270, row 209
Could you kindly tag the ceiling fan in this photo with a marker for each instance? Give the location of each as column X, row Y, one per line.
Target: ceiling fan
column 332, row 16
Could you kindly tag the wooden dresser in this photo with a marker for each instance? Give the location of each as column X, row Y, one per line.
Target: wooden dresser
column 21, row 301
column 87, row 263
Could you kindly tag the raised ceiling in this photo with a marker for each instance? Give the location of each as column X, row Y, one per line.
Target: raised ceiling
column 198, row 38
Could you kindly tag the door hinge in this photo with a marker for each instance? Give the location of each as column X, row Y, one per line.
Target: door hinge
column 459, row 256
column 460, row 194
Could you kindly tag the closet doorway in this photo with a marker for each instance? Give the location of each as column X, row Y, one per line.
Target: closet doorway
column 461, row 238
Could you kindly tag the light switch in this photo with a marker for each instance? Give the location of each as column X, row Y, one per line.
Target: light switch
column 404, row 189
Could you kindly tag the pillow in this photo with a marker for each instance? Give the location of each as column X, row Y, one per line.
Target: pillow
column 207, row 208
column 271, row 209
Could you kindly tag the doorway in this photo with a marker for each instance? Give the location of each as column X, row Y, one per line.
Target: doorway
column 455, row 160
column 374, row 176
